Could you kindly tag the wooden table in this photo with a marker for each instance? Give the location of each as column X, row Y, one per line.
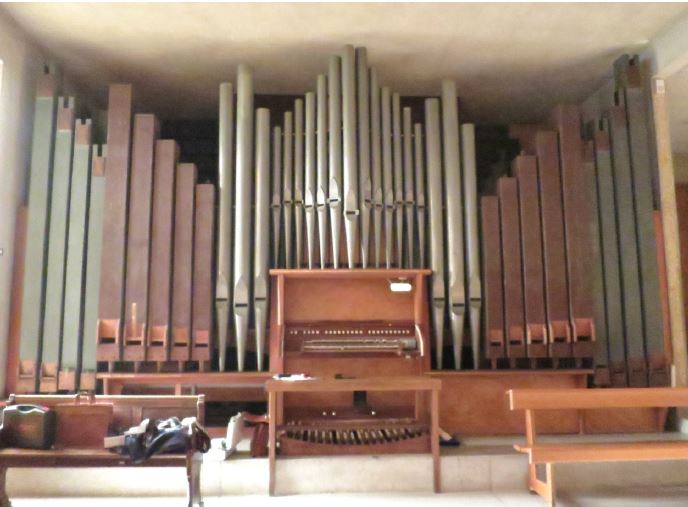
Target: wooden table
column 276, row 388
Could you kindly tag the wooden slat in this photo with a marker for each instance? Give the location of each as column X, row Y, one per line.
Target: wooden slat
column 57, row 246
column 74, row 300
column 33, row 296
column 201, row 346
column 507, row 189
column 664, row 284
column 492, row 278
column 556, row 283
column 93, row 258
column 162, row 233
column 525, row 170
column 559, row 399
column 598, row 452
column 14, row 332
column 329, row 385
column 610, row 257
column 628, row 249
column 182, row 276
column 589, row 174
column 146, row 129
column 575, row 197
column 112, row 266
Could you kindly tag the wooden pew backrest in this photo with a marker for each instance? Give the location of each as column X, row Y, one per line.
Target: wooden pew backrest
column 561, row 399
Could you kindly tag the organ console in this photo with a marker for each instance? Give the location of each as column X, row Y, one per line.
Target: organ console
column 349, row 324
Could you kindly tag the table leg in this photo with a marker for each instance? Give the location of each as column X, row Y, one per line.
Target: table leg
column 435, row 441
column 4, row 499
column 272, row 444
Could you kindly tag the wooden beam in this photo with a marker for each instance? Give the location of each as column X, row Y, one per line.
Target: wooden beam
column 667, row 189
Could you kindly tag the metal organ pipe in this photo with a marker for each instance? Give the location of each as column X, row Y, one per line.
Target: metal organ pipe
column 376, row 152
column 288, row 181
column 398, row 177
column 242, row 237
column 387, row 180
column 433, row 154
column 223, row 294
column 409, row 195
column 452, row 184
column 322, row 192
column 276, row 193
column 420, row 190
column 335, row 155
column 310, row 186
column 298, row 180
column 350, row 158
column 365, row 183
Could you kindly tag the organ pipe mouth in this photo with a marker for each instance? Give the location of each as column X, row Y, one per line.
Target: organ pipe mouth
column 400, row 285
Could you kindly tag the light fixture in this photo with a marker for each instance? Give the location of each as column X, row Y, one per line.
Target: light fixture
column 400, row 285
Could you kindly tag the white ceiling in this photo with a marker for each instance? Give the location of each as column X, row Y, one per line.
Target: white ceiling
column 512, row 62
column 677, row 94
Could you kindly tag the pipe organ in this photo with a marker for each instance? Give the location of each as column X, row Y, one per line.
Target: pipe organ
column 554, row 267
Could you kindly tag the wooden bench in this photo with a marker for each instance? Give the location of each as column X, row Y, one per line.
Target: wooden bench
column 128, row 411
column 532, row 400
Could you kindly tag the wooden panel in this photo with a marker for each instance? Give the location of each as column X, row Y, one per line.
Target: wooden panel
column 492, row 278
column 57, row 246
column 682, row 212
column 162, row 233
column 568, row 121
column 474, row 403
column 146, row 130
column 596, row 452
column 93, row 258
column 33, row 295
column 545, row 399
column 14, row 332
column 525, row 170
column 556, row 283
column 315, row 300
column 526, row 134
column 507, row 189
column 114, row 224
column 74, row 297
column 182, row 275
column 201, row 346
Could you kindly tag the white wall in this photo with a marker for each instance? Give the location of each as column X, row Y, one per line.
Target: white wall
column 22, row 63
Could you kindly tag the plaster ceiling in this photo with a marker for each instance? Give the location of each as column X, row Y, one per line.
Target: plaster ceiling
column 511, row 62
column 677, row 95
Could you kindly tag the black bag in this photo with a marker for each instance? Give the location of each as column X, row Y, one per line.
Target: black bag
column 28, row 427
column 167, row 436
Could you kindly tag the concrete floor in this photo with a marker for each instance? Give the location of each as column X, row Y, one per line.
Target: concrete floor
column 660, row 497
column 482, row 472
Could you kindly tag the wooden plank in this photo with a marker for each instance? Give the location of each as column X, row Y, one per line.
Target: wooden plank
column 146, row 129
column 628, row 250
column 14, row 332
column 609, row 235
column 671, row 235
column 74, row 300
column 57, row 246
column 33, row 297
column 507, row 189
column 575, row 198
column 162, row 234
column 664, row 287
column 182, row 275
column 589, row 175
column 332, row 385
column 556, row 399
column 201, row 346
column 525, row 170
column 629, row 83
column 556, row 281
column 492, row 277
column 93, row 257
column 112, row 265
column 599, row 452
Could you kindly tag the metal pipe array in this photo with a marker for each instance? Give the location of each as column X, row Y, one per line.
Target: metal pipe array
column 354, row 164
